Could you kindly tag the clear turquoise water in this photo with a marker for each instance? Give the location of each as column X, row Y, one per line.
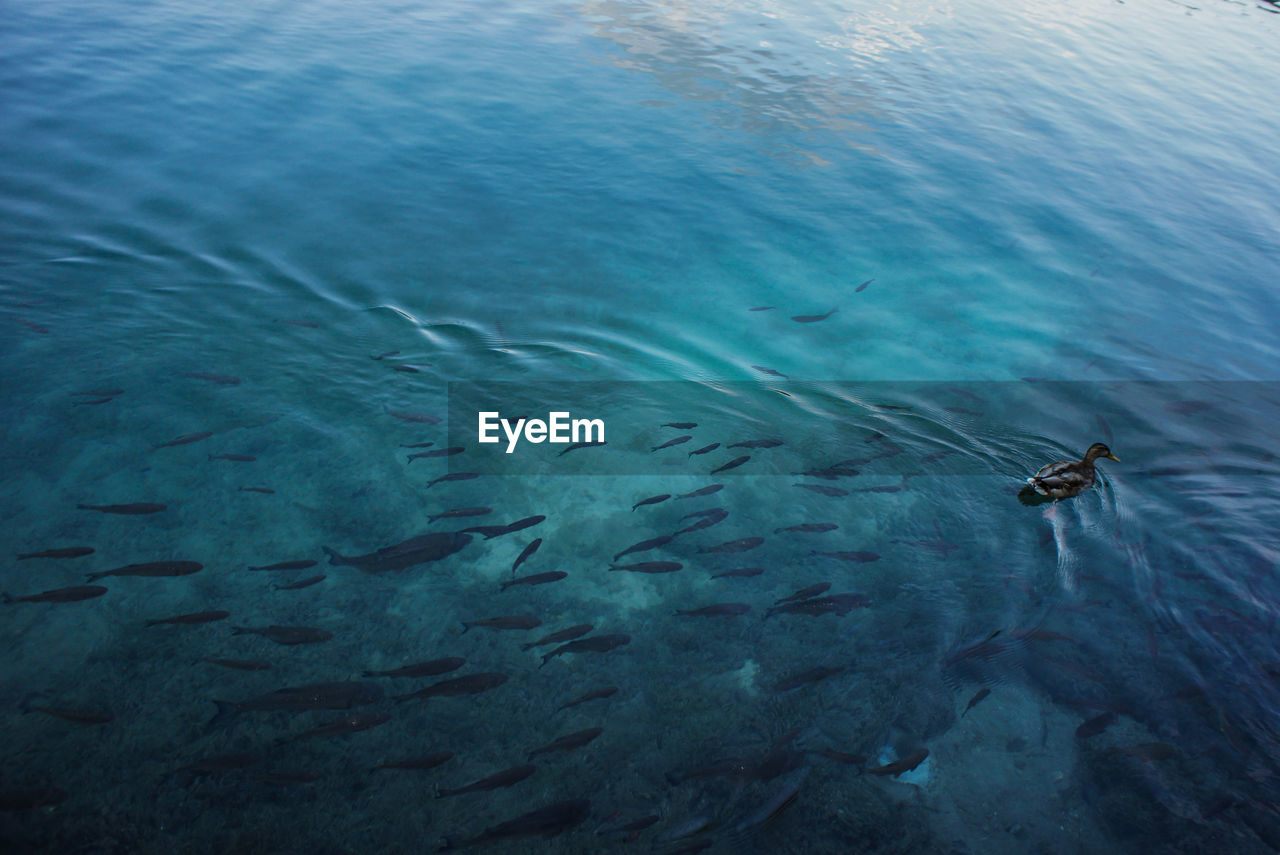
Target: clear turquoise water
column 1068, row 213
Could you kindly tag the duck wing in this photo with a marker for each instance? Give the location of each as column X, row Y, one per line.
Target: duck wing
column 1061, row 477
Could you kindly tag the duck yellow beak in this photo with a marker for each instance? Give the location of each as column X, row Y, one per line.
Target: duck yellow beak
column 1113, row 457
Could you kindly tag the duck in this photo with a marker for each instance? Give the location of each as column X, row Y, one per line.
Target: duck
column 1067, row 478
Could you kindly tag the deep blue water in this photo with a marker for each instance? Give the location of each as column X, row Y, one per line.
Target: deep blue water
column 312, row 234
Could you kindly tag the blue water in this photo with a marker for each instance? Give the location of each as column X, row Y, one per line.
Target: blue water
column 318, row 232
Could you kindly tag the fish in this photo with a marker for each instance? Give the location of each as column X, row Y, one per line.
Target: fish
column 544, row 822
column 266, row 490
column 65, row 552
column 505, row 778
column 353, row 723
column 302, row 583
column 439, row 452
column 732, row 464
column 863, row 286
column 240, row 664
column 770, row 372
column 472, row 684
column 761, row 308
column 382, row 356
column 288, row 777
column 313, row 696
column 460, row 512
column 220, row 379
column 152, row 568
column 185, row 439
column 422, row 762
column 715, row 517
column 78, row 715
column 680, row 440
column 775, row 804
column 804, row 678
column 741, row 573
column 235, row 458
column 860, row 556
column 430, row 668
column 301, row 564
column 709, row 512
column 702, row 491
column 415, row 418
column 401, row 556
column 525, row 553
column 837, row 604
column 592, row 644
column 975, row 700
column 130, row 508
column 823, row 489
column 646, row 545
column 419, row 445
column 806, row 593
column 95, row 402
column 536, row 579
column 1095, row 725
column 222, row 763
column 733, row 547
column 575, row 446
column 32, row 798
column 193, row 618
column 681, row 425
column 569, row 742
column 492, row 531
column 561, row 635
column 652, row 500
column 717, row 610
column 504, row 622
column 100, row 393
column 650, row 567
column 810, row 319
column 286, row 634
column 898, row 767
column 808, row 528
column 758, row 443
column 453, row 476
column 593, row 695
column 705, row 449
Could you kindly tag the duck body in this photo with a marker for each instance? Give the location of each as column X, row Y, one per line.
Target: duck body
column 1067, row 478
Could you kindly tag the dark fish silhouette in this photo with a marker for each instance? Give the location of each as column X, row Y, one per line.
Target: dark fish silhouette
column 758, row 443
column 646, row 545
column 418, row 445
column 78, row 715
column 804, row 678
column 504, row 622
column 837, row 604
column 860, row 556
column 743, row 573
column 975, row 700
column 761, row 308
column 313, row 696
column 525, row 553
column 95, row 402
column 704, row 491
column 130, row 508
column 460, row 512
column 100, row 393
column 288, row 777
column 439, row 452
column 193, row 618
column 680, row 440
column 472, row 684
column 705, row 449
column 66, row 552
column 594, row 644
column 716, row 516
column 544, row 822
column 240, row 664
column 302, row 583
column 73, row 594
column 732, row 464
column 770, row 372
column 808, row 528
column 235, row 458
column 185, row 439
column 536, row 579
column 152, row 568
column 453, row 476
column 650, row 567
column 415, row 550
column 718, row 610
column 733, row 547
column 898, row 767
column 824, row 489
column 288, row 565
column 384, row 355
column 415, row 418
column 863, row 285
column 562, row 635
column 286, row 634
column 266, row 490
column 352, row 723
column 806, row 593
column 575, row 446
column 1095, row 725
column 569, row 742
column 652, row 500
column 492, row 531
column 709, row 512
column 423, row 669
column 594, row 695
column 681, row 425
column 505, row 778
column 220, row 379
column 426, row 761
column 809, row 319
